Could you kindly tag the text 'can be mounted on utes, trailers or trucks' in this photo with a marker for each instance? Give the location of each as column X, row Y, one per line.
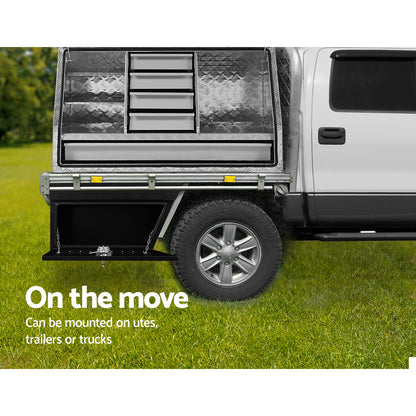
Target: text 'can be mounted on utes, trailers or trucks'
column 221, row 151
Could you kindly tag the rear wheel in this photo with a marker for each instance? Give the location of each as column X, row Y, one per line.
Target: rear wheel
column 227, row 249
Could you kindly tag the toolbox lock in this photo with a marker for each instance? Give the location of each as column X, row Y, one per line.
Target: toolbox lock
column 103, row 251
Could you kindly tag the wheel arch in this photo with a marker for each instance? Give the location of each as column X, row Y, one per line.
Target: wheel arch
column 264, row 199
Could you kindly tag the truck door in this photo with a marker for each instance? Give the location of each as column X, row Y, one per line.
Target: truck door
column 364, row 137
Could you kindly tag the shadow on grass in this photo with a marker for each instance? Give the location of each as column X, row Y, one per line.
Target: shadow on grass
column 116, row 276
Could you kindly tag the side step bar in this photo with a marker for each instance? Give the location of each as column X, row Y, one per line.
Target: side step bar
column 383, row 236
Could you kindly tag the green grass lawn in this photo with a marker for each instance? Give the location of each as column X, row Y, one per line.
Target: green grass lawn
column 334, row 305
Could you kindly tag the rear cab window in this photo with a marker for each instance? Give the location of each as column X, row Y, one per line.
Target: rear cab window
column 373, row 81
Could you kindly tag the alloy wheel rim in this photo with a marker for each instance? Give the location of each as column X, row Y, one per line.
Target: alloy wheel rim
column 228, row 254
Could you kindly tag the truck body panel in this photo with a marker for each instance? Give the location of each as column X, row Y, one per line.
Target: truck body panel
column 320, row 140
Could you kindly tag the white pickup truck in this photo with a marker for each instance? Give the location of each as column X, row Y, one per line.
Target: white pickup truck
column 220, row 151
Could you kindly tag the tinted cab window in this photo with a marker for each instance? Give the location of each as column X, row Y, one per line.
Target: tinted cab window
column 373, row 82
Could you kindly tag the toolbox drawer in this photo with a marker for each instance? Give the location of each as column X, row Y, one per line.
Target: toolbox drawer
column 161, row 81
column 161, row 100
column 161, row 61
column 161, row 121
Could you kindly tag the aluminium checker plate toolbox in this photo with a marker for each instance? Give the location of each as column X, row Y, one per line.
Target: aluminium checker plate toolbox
column 167, row 110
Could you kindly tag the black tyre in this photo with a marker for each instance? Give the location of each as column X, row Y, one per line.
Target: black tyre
column 227, row 249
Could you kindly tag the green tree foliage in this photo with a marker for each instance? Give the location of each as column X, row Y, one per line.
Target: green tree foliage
column 27, row 86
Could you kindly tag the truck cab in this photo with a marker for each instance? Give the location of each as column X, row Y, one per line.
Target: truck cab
column 221, row 151
column 355, row 164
